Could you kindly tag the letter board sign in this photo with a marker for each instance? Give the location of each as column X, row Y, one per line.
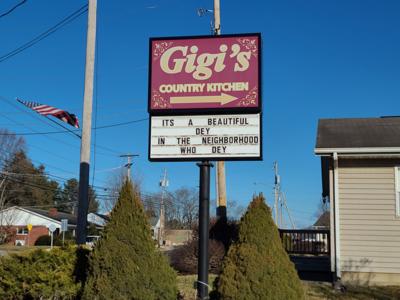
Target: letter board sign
column 211, row 137
column 205, row 74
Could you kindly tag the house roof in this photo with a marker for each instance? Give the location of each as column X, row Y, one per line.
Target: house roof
column 105, row 217
column 58, row 216
column 153, row 221
column 323, row 220
column 358, row 133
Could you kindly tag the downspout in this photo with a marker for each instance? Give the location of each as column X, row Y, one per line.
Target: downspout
column 337, row 217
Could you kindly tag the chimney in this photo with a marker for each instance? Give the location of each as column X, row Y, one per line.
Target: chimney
column 53, row 212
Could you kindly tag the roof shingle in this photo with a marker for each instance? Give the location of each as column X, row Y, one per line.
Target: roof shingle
column 358, row 133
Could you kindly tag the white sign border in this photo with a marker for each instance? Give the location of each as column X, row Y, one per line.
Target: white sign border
column 207, row 158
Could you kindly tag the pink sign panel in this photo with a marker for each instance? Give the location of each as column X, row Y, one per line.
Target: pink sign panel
column 220, row 73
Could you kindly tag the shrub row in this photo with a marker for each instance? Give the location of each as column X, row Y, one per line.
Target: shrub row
column 125, row 264
column 43, row 274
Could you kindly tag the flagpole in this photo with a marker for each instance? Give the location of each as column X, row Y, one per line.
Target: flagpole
column 84, row 169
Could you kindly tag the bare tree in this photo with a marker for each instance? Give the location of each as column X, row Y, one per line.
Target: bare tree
column 115, row 182
column 323, row 207
column 182, row 208
column 9, row 145
column 6, row 231
column 235, row 210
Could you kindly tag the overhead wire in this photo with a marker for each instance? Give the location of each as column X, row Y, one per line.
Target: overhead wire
column 34, row 116
column 65, row 131
column 77, row 13
column 146, row 198
column 13, row 8
column 57, row 176
column 37, row 147
column 44, row 164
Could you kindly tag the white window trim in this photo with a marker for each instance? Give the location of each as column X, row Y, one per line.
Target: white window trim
column 397, row 189
column 22, row 229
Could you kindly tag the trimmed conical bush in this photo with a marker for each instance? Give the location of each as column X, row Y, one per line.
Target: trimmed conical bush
column 257, row 266
column 124, row 263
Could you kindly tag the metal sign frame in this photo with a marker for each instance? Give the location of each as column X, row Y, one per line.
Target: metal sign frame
column 210, row 158
column 199, row 111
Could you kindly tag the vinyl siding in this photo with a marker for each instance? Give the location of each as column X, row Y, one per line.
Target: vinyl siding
column 369, row 227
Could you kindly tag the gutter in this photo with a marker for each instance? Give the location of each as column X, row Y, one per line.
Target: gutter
column 363, row 150
column 337, row 215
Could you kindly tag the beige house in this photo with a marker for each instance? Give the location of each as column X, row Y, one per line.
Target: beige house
column 360, row 161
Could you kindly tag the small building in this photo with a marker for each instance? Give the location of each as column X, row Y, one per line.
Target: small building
column 155, row 227
column 323, row 221
column 97, row 219
column 14, row 222
column 360, row 163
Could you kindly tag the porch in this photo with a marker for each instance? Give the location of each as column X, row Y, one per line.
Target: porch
column 309, row 250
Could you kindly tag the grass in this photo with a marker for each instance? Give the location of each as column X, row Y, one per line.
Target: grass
column 186, row 285
column 314, row 290
column 318, row 290
column 9, row 249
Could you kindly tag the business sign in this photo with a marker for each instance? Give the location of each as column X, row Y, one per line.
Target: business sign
column 205, row 73
column 211, row 137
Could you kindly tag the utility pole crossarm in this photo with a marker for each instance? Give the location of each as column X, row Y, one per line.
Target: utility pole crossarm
column 129, row 164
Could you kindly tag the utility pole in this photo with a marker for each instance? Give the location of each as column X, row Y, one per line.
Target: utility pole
column 220, row 166
column 86, row 125
column 129, row 164
column 163, row 184
column 280, row 202
column 276, row 192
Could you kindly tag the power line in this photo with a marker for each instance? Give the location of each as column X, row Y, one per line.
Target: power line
column 65, row 131
column 41, row 163
column 121, row 124
column 54, row 205
column 46, row 33
column 13, row 8
column 42, row 120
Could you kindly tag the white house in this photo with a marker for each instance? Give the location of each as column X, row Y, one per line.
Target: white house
column 14, row 223
column 360, row 162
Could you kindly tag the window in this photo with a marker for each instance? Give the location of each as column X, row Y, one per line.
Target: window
column 22, row 230
column 397, row 189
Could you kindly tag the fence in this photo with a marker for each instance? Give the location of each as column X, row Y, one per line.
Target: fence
column 304, row 241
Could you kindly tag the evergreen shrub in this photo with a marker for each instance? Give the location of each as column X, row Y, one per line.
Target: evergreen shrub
column 41, row 274
column 124, row 263
column 45, row 240
column 257, row 266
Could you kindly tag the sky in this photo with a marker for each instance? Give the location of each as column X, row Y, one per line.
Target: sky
column 320, row 59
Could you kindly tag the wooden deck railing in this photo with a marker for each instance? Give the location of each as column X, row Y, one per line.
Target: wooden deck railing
column 304, row 241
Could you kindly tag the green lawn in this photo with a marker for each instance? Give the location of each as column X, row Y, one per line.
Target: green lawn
column 186, row 285
column 9, row 249
column 314, row 290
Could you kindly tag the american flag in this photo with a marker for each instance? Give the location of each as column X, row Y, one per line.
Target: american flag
column 46, row 110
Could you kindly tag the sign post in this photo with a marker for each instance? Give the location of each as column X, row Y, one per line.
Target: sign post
column 205, row 105
column 64, row 228
column 29, row 231
column 204, row 218
column 52, row 228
